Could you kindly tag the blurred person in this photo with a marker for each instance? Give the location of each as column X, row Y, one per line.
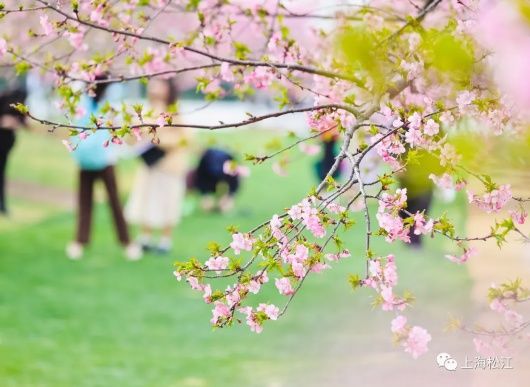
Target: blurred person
column 157, row 197
column 211, row 180
column 415, row 178
column 96, row 162
column 329, row 154
column 10, row 120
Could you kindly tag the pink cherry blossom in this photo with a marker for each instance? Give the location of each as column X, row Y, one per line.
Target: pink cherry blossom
column 305, row 211
column 393, row 225
column 398, row 324
column 397, row 201
column 519, row 217
column 309, row 149
column 431, row 128
column 194, row 283
column 279, row 169
column 241, row 242
column 276, row 222
column 492, row 201
column 514, row 319
column 415, row 121
column 465, row 99
column 76, row 39
column 335, row 208
column 397, row 123
column 96, row 16
column 498, row 306
column 137, row 133
column 251, row 319
column 463, row 259
column 390, row 271
column 217, row 263
column 3, row 48
column 254, row 286
column 284, row 286
column 272, row 311
column 460, row 185
column 417, row 341
column 233, row 297
column 260, row 78
column 447, row 118
column 445, row 181
column 388, row 297
column 504, row 31
column 298, row 269
column 414, row 40
column 413, row 137
column 413, row 69
column 177, row 275
column 448, row 155
column 318, row 267
column 347, row 120
column 219, row 312
column 207, row 293
column 68, row 145
column 483, row 348
column 226, row 73
column 336, row 257
column 46, row 25
column 374, row 267
column 314, row 225
column 300, row 254
column 421, row 226
column 231, row 168
column 161, row 121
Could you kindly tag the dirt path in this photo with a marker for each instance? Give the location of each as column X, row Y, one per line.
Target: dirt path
column 37, row 193
column 494, row 265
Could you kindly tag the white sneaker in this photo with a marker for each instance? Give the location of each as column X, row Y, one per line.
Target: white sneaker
column 208, row 203
column 226, row 203
column 74, row 251
column 133, row 252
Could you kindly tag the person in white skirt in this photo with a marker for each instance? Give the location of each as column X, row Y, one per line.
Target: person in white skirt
column 156, row 200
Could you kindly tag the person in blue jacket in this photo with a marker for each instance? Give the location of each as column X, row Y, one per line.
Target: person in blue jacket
column 96, row 159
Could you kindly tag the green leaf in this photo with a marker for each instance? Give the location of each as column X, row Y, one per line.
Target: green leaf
column 20, row 107
column 355, row 281
column 524, row 8
column 449, row 54
column 241, row 50
column 22, row 68
column 214, row 247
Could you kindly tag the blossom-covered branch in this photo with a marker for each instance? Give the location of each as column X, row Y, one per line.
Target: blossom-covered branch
column 393, row 82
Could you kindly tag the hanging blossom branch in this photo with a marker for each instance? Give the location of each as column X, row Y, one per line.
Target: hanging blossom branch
column 291, row 67
column 98, row 125
column 505, row 300
column 391, row 86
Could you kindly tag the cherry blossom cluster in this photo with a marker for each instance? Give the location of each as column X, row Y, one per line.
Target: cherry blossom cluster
column 505, row 299
column 290, row 263
column 414, row 339
column 492, row 201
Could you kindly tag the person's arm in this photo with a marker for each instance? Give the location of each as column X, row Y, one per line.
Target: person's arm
column 11, row 121
column 172, row 139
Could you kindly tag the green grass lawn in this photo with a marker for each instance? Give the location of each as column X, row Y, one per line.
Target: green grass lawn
column 104, row 321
